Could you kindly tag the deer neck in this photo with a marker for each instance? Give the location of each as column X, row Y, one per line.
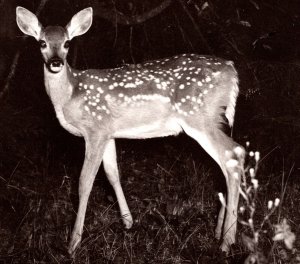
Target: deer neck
column 59, row 86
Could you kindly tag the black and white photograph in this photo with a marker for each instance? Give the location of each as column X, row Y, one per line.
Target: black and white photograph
column 153, row 131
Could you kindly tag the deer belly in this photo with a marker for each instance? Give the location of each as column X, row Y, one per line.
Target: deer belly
column 152, row 130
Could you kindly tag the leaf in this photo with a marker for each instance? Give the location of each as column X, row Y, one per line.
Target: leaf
column 283, row 232
column 248, row 242
column 245, row 23
column 289, row 241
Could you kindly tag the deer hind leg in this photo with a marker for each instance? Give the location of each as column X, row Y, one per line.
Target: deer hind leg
column 112, row 172
column 94, row 149
column 221, row 148
column 233, row 180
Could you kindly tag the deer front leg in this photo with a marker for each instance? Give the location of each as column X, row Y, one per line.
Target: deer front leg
column 221, row 216
column 112, row 173
column 93, row 156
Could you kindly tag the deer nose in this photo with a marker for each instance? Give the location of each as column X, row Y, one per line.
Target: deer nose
column 55, row 64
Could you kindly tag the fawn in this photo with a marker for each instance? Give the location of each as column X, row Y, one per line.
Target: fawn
column 191, row 93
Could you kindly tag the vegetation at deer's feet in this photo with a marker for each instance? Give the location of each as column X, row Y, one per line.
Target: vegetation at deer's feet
column 259, row 228
column 171, row 189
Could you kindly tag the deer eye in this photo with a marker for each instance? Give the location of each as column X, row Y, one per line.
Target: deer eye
column 43, row 44
column 67, row 44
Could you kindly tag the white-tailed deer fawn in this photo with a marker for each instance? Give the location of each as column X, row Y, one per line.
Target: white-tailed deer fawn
column 190, row 93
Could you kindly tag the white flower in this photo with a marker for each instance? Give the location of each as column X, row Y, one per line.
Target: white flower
column 257, row 156
column 250, row 221
column 277, row 201
column 255, row 183
column 270, row 204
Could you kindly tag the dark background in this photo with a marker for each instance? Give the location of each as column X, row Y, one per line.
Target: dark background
column 40, row 162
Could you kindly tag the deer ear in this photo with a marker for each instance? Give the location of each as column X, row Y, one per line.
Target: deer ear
column 80, row 23
column 28, row 23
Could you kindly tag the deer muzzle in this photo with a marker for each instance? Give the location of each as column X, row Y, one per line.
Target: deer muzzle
column 55, row 64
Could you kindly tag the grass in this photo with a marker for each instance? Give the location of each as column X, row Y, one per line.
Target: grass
column 258, row 226
column 171, row 186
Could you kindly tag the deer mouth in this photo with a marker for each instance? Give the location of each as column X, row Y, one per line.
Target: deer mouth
column 55, row 65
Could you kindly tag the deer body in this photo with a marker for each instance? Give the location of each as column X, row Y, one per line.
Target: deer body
column 191, row 93
column 142, row 101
